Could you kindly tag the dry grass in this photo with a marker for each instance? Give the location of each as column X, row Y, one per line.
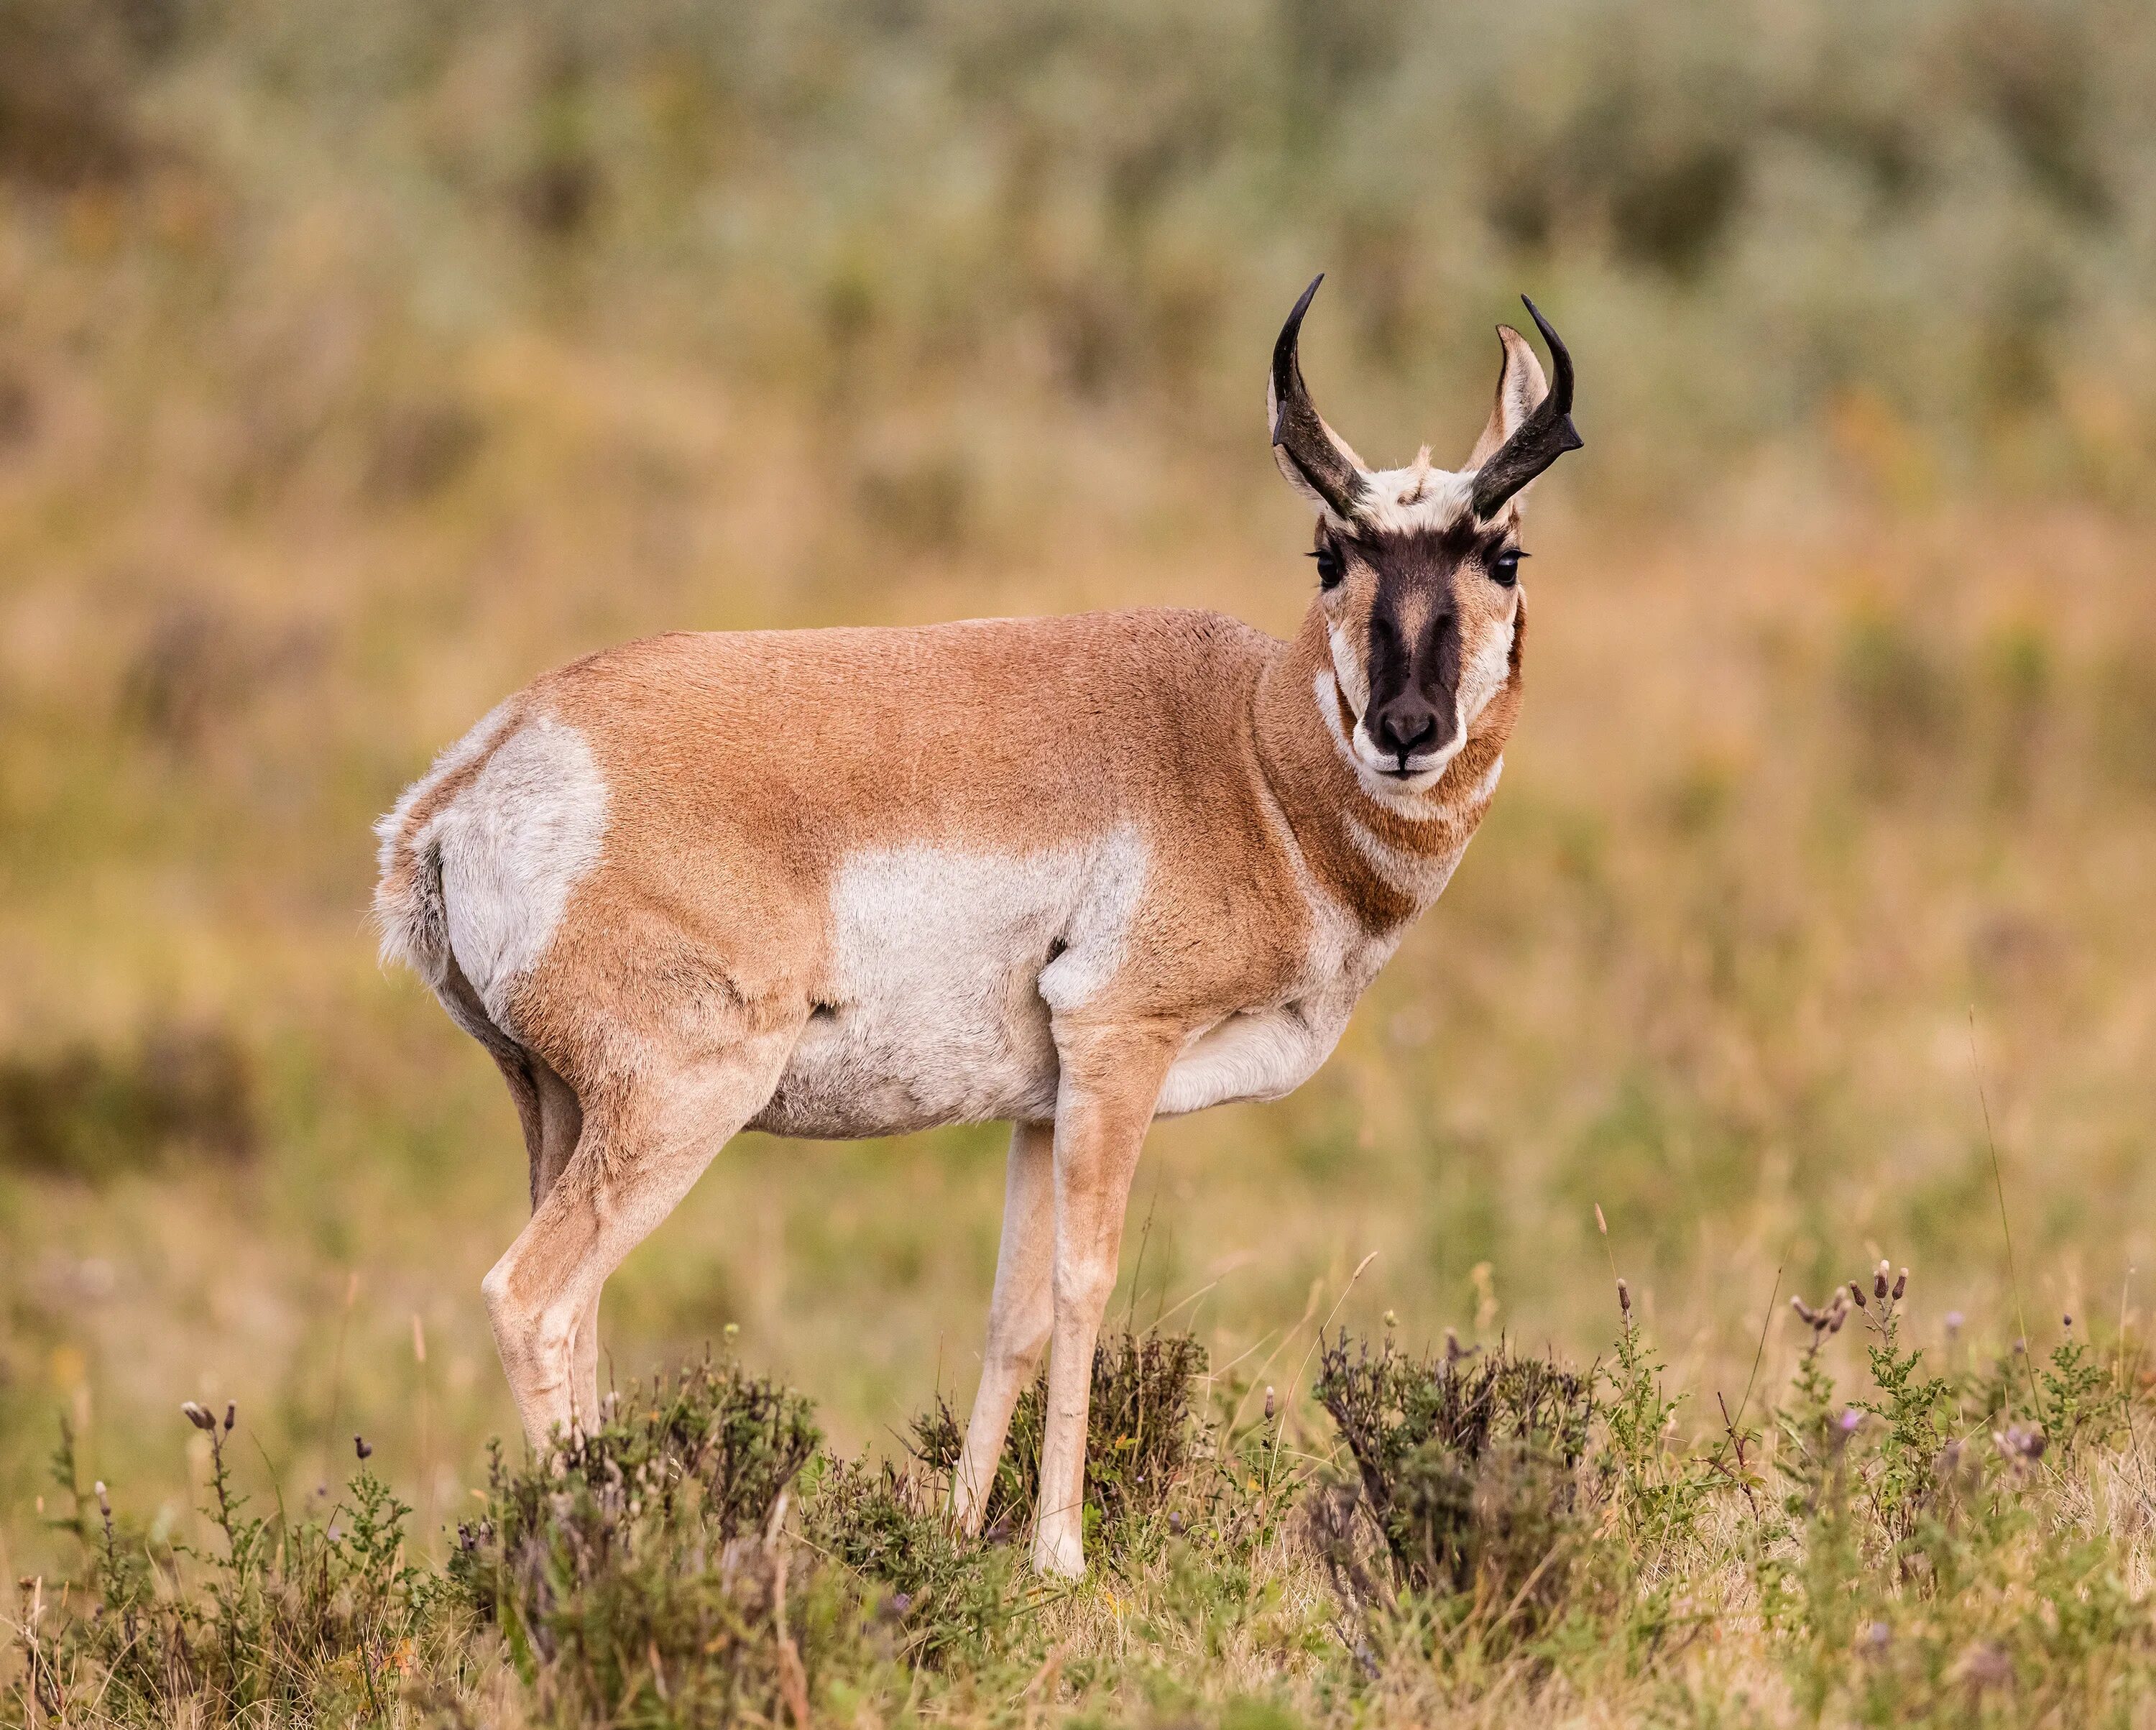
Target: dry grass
column 1486, row 1535
column 351, row 376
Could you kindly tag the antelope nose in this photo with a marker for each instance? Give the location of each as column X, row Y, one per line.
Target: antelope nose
column 1404, row 728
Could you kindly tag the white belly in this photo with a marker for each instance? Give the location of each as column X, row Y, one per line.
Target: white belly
column 1255, row 1054
column 943, row 967
column 947, row 965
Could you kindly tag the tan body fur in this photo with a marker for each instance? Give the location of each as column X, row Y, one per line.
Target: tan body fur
column 1067, row 872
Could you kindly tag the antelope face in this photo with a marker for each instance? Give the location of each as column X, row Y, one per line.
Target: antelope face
column 1417, row 568
column 1421, row 621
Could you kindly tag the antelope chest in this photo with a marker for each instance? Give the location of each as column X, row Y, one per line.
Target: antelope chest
column 945, row 968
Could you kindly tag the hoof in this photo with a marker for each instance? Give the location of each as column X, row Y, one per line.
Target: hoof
column 1060, row 1561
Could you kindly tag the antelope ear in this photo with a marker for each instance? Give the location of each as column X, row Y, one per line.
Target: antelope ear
column 1520, row 386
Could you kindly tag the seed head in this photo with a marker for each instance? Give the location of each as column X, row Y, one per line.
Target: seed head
column 2020, row 1441
column 1879, row 1281
column 1856, row 1291
column 1901, row 1284
column 1268, row 1402
column 1601, row 1224
column 198, row 1417
column 104, row 1501
column 1806, row 1313
column 231, row 1414
column 361, row 1446
column 1623, row 1297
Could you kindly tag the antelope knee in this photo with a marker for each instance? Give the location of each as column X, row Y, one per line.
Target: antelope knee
column 525, row 1334
column 1084, row 1289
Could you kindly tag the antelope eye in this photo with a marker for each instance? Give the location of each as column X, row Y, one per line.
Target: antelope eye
column 1505, row 569
column 1330, row 569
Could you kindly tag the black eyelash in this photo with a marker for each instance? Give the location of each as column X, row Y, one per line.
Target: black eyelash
column 1330, row 569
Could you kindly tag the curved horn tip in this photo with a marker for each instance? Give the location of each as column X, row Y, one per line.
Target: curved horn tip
column 1291, row 331
column 1541, row 324
column 1287, row 367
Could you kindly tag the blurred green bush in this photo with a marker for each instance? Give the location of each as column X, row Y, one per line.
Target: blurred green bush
column 1930, row 223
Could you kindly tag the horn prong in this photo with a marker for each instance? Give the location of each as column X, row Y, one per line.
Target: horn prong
column 1544, row 436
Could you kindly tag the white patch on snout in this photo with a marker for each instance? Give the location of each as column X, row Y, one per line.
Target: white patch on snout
column 1485, row 675
column 1348, row 668
column 1353, row 681
column 1480, row 680
column 1423, row 767
column 945, row 966
column 1401, row 793
column 513, row 844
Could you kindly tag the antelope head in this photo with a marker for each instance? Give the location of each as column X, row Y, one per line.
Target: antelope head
column 1417, row 568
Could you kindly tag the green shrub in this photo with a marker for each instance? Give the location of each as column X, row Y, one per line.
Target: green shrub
column 1469, row 1466
column 639, row 1568
column 1139, row 1438
column 313, row 1619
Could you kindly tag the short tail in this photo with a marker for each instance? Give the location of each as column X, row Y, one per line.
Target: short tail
column 410, row 913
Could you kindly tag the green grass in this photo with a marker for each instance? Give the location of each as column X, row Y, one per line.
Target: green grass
column 1911, row 1537
column 356, row 365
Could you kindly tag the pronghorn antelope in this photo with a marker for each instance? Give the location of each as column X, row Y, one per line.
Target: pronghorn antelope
column 1075, row 873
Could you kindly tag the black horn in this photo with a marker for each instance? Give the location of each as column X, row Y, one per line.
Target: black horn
column 1300, row 433
column 1544, row 436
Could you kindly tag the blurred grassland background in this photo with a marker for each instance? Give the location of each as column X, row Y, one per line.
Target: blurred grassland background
column 357, row 363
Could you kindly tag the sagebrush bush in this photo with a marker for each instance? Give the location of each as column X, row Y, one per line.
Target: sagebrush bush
column 1469, row 1466
column 1493, row 1532
column 1138, row 1435
column 309, row 1619
column 639, row 1568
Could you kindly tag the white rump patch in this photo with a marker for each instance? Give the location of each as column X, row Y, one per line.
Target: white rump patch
column 513, row 845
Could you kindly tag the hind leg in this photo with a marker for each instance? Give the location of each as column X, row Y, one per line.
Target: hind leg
column 561, row 1122
column 646, row 1140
